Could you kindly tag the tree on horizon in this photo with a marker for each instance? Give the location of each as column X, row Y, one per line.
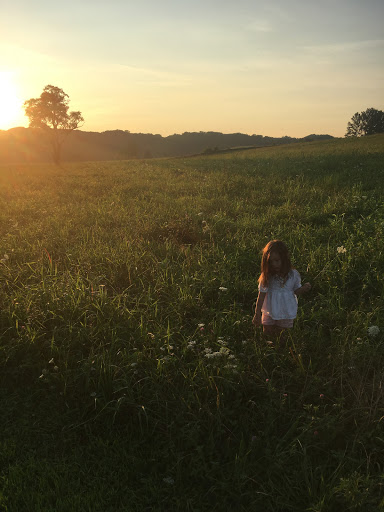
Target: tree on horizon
column 50, row 113
column 369, row 122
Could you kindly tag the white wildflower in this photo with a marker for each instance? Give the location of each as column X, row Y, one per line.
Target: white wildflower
column 223, row 289
column 207, row 350
column 373, row 330
column 213, row 355
column 200, row 325
column 341, row 249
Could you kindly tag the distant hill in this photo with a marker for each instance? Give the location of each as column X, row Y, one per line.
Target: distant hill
column 19, row 145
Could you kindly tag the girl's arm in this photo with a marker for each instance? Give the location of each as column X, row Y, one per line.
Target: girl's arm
column 259, row 303
column 304, row 289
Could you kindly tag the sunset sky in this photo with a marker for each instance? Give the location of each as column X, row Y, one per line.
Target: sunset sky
column 269, row 67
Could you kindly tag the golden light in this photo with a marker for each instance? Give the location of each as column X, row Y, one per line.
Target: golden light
column 11, row 110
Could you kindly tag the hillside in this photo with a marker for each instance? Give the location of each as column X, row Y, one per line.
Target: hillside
column 132, row 378
column 30, row 145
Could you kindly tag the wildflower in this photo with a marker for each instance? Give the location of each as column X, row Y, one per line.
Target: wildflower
column 55, row 368
column 205, row 226
column 200, row 325
column 373, row 330
column 321, row 395
column 285, row 395
column 244, row 342
column 133, row 365
column 222, row 289
column 266, row 380
column 213, row 355
column 341, row 249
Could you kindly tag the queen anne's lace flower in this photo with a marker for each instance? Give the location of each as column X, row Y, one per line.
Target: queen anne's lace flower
column 341, row 249
column 373, row 330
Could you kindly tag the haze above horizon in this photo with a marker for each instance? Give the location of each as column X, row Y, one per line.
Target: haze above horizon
column 257, row 67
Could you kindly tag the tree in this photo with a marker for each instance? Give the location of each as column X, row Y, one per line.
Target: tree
column 50, row 113
column 366, row 123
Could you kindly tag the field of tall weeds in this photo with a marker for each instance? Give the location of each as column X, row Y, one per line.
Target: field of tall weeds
column 132, row 378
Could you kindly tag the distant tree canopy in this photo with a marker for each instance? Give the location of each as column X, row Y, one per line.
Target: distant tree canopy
column 369, row 122
column 50, row 112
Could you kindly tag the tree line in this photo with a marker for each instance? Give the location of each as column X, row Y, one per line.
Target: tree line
column 52, row 123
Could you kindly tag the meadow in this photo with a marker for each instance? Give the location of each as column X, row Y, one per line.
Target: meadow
column 132, row 378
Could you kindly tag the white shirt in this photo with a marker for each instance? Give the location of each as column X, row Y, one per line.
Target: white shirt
column 281, row 302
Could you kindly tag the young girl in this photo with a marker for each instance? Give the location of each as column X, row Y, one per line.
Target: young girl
column 279, row 286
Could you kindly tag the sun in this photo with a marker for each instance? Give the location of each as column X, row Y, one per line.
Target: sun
column 10, row 104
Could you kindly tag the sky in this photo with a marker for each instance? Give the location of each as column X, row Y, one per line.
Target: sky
column 267, row 67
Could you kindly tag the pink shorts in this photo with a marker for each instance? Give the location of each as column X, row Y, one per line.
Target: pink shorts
column 286, row 323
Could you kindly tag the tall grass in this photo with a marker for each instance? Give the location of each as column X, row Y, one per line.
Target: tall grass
column 132, row 378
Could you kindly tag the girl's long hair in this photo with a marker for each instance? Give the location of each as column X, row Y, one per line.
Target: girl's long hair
column 282, row 250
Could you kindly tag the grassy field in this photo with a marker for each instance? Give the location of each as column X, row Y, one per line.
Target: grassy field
column 132, row 378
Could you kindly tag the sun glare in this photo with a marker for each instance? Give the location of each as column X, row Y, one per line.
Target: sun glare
column 10, row 105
